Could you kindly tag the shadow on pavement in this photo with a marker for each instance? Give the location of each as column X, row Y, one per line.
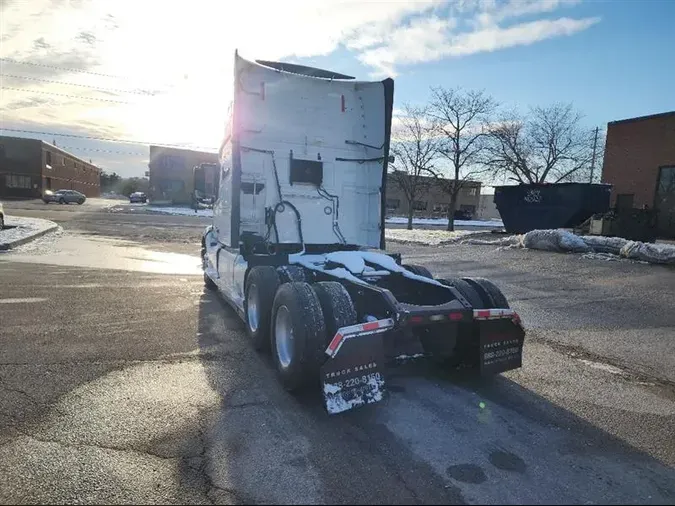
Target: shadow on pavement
column 438, row 438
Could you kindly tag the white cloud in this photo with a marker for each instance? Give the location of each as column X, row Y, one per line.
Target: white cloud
column 426, row 39
column 184, row 50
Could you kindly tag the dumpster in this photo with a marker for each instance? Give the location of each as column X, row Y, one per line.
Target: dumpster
column 526, row 207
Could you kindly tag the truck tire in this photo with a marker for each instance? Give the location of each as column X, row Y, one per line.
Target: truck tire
column 208, row 282
column 419, row 270
column 336, row 305
column 291, row 273
column 262, row 284
column 466, row 290
column 298, row 335
column 491, row 295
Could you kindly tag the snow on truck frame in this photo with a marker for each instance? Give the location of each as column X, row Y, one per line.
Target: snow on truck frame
column 297, row 243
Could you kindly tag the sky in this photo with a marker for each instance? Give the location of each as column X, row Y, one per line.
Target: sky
column 160, row 72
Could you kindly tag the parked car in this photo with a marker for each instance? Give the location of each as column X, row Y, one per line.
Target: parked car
column 63, row 197
column 462, row 214
column 138, row 197
column 2, row 217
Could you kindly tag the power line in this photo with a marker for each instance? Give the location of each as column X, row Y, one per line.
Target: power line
column 102, row 150
column 108, row 139
column 64, row 95
column 114, row 90
column 55, row 67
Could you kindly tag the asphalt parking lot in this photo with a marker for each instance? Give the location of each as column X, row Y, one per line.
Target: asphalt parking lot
column 123, row 381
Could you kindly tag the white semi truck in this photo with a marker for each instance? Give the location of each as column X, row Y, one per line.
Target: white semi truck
column 297, row 243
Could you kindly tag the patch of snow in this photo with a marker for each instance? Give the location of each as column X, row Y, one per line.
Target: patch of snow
column 177, row 211
column 608, row 257
column 388, row 263
column 318, row 262
column 331, row 388
column 402, row 220
column 409, row 357
column 337, row 403
column 353, row 263
column 603, row 367
column 508, row 242
column 555, row 240
column 602, row 244
column 648, row 252
column 429, row 237
column 23, row 228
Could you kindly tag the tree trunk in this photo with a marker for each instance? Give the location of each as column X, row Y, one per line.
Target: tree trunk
column 410, row 216
column 451, row 212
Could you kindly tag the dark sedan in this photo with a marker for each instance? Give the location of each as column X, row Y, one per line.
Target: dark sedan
column 138, row 197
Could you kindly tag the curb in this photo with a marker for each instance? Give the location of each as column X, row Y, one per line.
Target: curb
column 18, row 242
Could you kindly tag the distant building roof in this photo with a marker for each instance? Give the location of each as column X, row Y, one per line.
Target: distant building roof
column 643, row 118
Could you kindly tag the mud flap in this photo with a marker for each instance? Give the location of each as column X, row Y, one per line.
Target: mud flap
column 501, row 345
column 354, row 377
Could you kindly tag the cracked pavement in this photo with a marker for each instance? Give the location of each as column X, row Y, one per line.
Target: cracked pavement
column 126, row 383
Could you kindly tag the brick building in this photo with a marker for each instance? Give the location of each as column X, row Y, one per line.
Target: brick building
column 171, row 179
column 640, row 164
column 28, row 167
column 433, row 202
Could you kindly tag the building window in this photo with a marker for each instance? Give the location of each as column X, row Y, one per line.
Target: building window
column 667, row 180
column 393, row 203
column 49, row 157
column 441, row 208
column 420, row 205
column 16, row 181
column 472, row 192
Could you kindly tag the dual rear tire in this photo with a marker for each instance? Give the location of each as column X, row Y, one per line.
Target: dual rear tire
column 296, row 321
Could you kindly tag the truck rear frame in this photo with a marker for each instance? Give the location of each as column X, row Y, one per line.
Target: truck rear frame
column 363, row 311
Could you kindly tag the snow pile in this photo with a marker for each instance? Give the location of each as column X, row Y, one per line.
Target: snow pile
column 647, row 252
column 430, row 237
column 178, row 211
column 601, row 244
column 402, row 220
column 508, row 241
column 23, row 230
column 555, row 240
column 354, row 263
column 605, row 248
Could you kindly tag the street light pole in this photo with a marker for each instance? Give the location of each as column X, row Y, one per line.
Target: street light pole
column 595, row 145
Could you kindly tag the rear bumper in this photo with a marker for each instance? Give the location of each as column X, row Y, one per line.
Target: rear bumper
column 354, row 374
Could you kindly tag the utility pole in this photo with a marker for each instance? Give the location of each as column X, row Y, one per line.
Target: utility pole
column 595, row 145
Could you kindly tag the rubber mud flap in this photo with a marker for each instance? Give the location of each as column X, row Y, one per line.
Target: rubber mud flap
column 355, row 376
column 501, row 346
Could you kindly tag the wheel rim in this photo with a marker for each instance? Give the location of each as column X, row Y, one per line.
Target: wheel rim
column 283, row 336
column 252, row 314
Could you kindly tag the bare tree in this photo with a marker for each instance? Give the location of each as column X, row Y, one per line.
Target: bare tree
column 415, row 150
column 549, row 145
column 461, row 120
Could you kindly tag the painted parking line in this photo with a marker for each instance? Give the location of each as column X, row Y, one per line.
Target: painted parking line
column 26, row 300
